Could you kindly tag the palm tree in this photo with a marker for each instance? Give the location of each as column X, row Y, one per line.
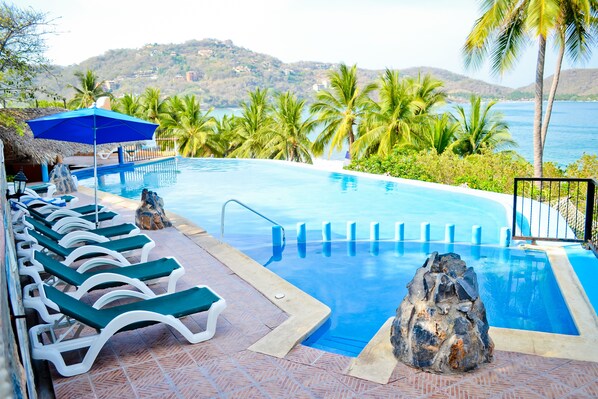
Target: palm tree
column 439, row 134
column 89, row 90
column 339, row 109
column 574, row 34
column 388, row 122
column 290, row 139
column 129, row 104
column 154, row 108
column 254, row 127
column 504, row 29
column 481, row 130
column 193, row 129
column 400, row 114
column 427, row 93
column 225, row 127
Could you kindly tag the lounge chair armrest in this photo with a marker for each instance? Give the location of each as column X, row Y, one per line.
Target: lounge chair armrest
column 31, row 301
column 120, row 294
column 76, row 237
column 71, row 223
column 103, row 278
column 43, row 205
column 20, row 232
column 25, row 249
column 51, row 190
column 120, row 261
column 60, row 213
column 87, row 249
column 31, row 271
column 73, row 200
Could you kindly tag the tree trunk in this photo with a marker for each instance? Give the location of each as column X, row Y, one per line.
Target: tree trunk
column 351, row 137
column 551, row 95
column 538, row 108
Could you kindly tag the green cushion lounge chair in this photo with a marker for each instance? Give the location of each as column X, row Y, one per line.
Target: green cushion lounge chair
column 106, row 273
column 101, row 246
column 50, row 341
column 61, row 217
column 124, row 229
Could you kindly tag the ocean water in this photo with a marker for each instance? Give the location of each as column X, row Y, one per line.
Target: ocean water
column 573, row 129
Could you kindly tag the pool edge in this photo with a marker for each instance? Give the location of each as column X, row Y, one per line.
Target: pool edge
column 302, row 321
column 306, row 314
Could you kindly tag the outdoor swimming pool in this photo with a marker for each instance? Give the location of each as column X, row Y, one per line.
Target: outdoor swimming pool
column 362, row 282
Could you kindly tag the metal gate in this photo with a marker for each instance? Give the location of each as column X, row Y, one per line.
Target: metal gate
column 554, row 209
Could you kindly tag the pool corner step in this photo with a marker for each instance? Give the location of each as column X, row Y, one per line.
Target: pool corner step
column 376, row 361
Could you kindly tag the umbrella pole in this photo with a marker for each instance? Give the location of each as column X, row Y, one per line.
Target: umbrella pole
column 95, row 171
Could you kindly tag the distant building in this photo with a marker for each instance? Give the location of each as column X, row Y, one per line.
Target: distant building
column 321, row 86
column 191, row 76
column 207, row 53
column 111, row 85
column 241, row 68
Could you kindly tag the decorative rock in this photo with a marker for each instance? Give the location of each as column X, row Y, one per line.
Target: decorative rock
column 150, row 215
column 63, row 180
column 441, row 324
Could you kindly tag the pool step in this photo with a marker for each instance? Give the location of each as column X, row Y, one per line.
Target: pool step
column 336, row 344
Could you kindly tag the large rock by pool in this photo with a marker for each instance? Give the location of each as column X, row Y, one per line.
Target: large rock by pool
column 441, row 324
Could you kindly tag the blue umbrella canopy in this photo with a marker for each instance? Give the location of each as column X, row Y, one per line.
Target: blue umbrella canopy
column 92, row 126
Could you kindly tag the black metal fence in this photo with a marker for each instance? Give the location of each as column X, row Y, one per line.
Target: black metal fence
column 158, row 148
column 553, row 209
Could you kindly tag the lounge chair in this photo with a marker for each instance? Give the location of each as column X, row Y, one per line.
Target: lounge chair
column 62, row 217
column 46, row 192
column 65, row 335
column 101, row 246
column 113, row 273
column 105, row 154
column 55, row 211
column 73, row 230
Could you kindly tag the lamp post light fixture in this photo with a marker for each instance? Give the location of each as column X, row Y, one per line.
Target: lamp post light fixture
column 19, row 181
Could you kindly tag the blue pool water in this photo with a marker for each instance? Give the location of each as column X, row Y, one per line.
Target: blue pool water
column 362, row 284
column 517, row 286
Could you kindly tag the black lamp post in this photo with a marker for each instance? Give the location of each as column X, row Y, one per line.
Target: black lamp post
column 19, row 181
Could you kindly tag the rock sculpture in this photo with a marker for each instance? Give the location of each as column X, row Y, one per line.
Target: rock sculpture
column 151, row 215
column 441, row 324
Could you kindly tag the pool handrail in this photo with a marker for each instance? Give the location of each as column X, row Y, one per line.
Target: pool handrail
column 252, row 210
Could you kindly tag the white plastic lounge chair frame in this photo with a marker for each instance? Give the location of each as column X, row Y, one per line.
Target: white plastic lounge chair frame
column 71, row 230
column 71, row 339
column 104, row 154
column 33, row 301
column 26, row 247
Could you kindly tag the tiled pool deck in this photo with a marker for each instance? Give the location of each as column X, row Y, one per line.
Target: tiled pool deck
column 158, row 362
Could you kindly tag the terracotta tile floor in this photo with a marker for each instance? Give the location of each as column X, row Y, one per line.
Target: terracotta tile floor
column 157, row 362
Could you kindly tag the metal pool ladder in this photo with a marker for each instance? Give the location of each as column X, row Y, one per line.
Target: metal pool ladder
column 252, row 210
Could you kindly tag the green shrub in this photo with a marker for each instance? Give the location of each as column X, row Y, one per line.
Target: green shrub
column 488, row 171
column 584, row 167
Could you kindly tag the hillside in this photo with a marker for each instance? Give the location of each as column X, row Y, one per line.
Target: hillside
column 574, row 84
column 221, row 73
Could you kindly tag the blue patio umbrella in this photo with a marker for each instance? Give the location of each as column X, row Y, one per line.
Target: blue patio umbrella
column 92, row 126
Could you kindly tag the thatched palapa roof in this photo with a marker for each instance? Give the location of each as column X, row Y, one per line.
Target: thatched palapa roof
column 18, row 138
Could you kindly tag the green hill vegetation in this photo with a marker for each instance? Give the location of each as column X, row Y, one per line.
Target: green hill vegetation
column 574, row 84
column 221, row 74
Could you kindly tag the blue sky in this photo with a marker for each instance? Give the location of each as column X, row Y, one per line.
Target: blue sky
column 373, row 34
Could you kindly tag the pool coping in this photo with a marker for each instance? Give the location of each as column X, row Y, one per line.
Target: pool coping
column 305, row 312
column 376, row 362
